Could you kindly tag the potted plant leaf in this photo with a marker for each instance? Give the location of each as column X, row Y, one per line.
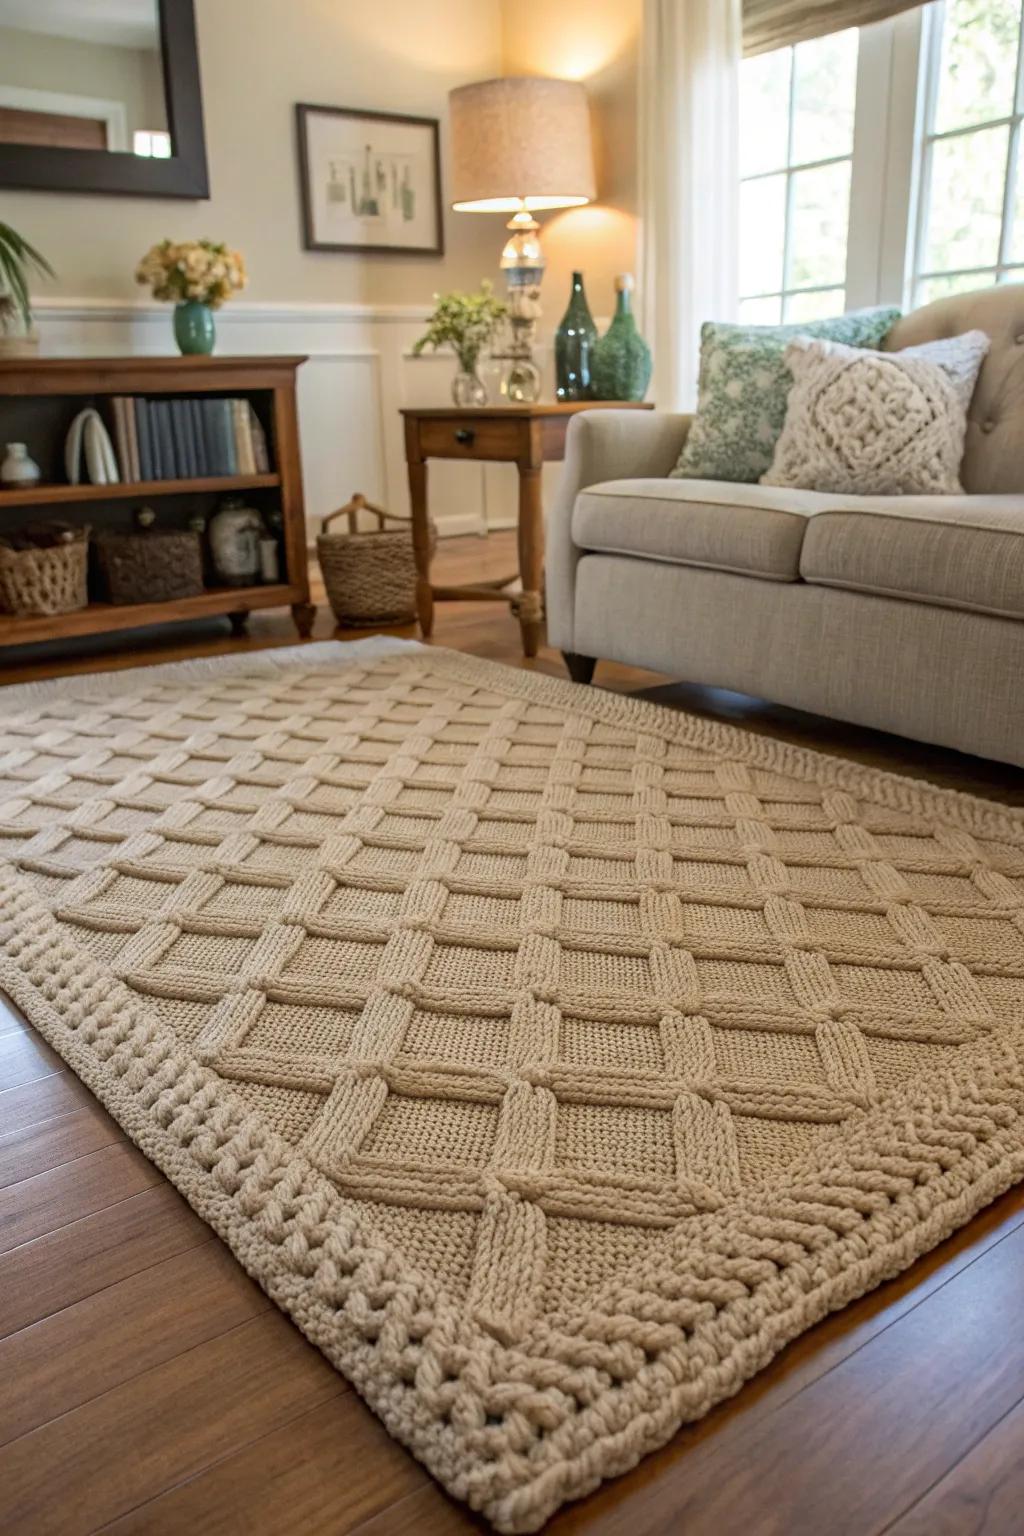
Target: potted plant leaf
column 465, row 322
column 18, row 260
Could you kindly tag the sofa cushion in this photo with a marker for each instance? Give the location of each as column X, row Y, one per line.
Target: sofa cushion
column 744, row 384
column 877, row 423
column 753, row 530
column 959, row 552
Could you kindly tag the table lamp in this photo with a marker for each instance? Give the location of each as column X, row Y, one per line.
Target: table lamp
column 520, row 145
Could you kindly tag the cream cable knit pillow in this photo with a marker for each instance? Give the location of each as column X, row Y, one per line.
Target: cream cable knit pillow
column 877, row 423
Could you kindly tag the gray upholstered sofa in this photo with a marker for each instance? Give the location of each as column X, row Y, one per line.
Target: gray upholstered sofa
column 903, row 613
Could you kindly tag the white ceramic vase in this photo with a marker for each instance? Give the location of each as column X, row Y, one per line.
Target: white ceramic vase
column 235, row 532
column 18, row 467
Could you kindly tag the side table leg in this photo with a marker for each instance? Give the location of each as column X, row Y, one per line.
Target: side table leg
column 531, row 557
column 421, row 545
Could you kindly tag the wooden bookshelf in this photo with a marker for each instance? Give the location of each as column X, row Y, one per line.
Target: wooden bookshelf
column 137, row 490
column 99, row 618
column 38, row 399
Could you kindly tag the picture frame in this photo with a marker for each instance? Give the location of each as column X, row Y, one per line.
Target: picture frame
column 369, row 182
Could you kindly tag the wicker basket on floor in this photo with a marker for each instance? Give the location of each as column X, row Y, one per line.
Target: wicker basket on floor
column 45, row 578
column 370, row 578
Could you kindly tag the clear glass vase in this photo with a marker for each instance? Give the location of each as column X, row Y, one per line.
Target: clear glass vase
column 468, row 388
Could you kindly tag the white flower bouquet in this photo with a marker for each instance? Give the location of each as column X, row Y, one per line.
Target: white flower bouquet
column 203, row 271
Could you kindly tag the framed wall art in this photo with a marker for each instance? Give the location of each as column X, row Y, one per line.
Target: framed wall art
column 370, row 181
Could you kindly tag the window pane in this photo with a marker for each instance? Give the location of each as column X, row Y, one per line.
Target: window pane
column 940, row 287
column 1012, row 275
column 965, row 201
column 817, row 236
column 821, row 305
column 978, row 67
column 762, row 231
column 824, row 96
column 761, row 311
column 764, row 111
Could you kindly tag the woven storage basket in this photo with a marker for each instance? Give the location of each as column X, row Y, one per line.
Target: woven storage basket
column 370, row 577
column 45, row 580
column 151, row 566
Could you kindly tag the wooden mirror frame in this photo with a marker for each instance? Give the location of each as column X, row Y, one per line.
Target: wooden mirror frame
column 37, row 167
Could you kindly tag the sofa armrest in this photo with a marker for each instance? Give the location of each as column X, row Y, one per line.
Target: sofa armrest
column 601, row 445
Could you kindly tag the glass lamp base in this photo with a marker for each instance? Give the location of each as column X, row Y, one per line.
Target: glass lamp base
column 521, row 384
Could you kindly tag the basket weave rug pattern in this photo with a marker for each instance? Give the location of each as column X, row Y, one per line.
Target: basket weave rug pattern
column 552, row 1058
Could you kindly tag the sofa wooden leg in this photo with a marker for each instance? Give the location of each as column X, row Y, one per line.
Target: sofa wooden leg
column 580, row 668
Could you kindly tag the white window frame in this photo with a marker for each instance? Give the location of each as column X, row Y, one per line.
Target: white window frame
column 885, row 165
column 927, row 138
column 898, row 71
column 111, row 113
column 791, row 169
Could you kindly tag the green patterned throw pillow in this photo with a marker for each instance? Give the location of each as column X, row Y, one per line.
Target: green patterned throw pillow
column 744, row 386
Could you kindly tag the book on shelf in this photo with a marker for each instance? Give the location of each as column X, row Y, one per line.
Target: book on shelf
column 147, row 470
column 243, row 437
column 187, row 438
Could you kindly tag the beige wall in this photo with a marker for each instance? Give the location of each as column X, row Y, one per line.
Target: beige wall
column 258, row 57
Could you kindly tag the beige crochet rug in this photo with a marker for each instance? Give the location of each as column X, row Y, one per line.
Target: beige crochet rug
column 550, row 1057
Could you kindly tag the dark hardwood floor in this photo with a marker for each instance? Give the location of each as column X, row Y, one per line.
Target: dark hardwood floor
column 147, row 1386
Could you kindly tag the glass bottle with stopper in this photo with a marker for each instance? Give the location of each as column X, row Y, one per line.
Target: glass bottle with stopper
column 620, row 363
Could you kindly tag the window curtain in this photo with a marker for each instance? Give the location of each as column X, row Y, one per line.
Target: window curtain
column 769, row 24
column 689, row 182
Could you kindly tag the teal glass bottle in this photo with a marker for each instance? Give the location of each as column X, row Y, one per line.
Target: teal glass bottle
column 574, row 343
column 620, row 366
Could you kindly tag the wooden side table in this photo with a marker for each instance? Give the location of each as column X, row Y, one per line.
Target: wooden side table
column 525, row 435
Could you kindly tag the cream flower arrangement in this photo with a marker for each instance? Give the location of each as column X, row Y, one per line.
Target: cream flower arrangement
column 192, row 271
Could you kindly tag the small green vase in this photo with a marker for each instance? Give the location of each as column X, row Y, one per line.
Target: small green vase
column 194, row 330
column 620, row 365
column 574, row 343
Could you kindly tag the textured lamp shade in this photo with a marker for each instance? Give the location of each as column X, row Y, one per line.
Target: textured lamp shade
column 520, row 141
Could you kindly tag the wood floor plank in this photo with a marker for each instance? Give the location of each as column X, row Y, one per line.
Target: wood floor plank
column 65, row 1266
column 90, row 1466
column 86, row 1349
column 42, row 1147
column 43, row 1099
column 983, row 1495
column 329, row 1470
column 430, row 1512
column 50, row 1200
column 24, row 1057
column 11, row 1022
column 859, row 1445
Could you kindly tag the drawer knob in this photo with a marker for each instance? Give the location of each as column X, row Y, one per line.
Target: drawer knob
column 464, row 434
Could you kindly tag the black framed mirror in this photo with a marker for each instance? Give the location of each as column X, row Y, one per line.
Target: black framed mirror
column 101, row 98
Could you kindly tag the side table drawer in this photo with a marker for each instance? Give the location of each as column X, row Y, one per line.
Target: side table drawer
column 459, row 438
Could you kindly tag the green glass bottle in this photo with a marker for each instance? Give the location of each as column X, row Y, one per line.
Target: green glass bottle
column 574, row 343
column 620, row 364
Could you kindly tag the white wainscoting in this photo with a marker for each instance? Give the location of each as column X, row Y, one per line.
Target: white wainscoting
column 360, row 372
